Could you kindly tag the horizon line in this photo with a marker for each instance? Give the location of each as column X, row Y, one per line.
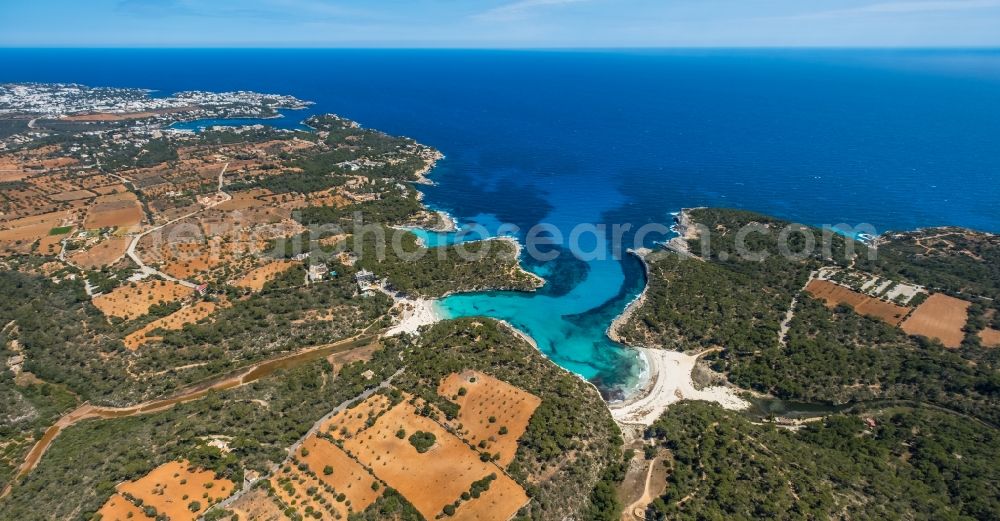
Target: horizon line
column 506, row 48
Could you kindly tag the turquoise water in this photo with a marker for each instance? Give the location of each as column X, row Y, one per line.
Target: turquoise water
column 897, row 139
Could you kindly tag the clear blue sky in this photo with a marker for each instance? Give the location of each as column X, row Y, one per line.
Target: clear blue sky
column 500, row 23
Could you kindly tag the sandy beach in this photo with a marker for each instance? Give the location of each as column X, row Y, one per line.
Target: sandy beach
column 414, row 313
column 666, row 381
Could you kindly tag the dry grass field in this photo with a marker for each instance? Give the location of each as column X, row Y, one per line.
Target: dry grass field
column 32, row 228
column 257, row 277
column 257, row 506
column 483, row 398
column 174, row 487
column 941, row 317
column 119, row 210
column 173, row 321
column 102, row 254
column 834, row 294
column 133, row 300
column 72, row 195
column 51, row 244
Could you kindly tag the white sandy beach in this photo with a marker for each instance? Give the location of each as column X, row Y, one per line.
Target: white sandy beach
column 667, row 380
column 414, row 313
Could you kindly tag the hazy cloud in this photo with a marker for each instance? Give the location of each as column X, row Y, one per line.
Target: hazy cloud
column 904, row 8
column 521, row 8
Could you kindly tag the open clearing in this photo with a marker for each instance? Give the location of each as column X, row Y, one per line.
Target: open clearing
column 435, row 478
column 835, row 294
column 134, row 299
column 487, row 398
column 257, row 277
column 990, row 337
column 120, row 210
column 120, row 509
column 941, row 317
column 173, row 321
column 72, row 195
column 172, row 488
column 102, row 254
column 256, row 505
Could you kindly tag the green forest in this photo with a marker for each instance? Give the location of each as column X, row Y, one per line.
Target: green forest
column 912, row 464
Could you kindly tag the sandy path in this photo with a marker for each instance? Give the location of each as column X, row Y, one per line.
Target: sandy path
column 243, row 377
column 637, row 510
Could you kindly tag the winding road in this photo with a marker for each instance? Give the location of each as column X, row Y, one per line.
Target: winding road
column 149, row 270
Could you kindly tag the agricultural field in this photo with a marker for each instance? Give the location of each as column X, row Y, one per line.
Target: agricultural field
column 104, row 253
column 120, row 509
column 347, row 423
column 133, row 300
column 322, row 477
column 835, row 294
column 120, row 210
column 990, row 337
column 437, row 477
column 941, row 317
column 174, row 489
column 20, row 235
column 492, row 415
column 256, row 278
column 257, row 505
column 176, row 320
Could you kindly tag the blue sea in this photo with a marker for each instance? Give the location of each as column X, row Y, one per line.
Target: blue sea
column 896, row 139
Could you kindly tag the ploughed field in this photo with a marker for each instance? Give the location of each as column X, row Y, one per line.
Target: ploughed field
column 175, row 490
column 396, row 440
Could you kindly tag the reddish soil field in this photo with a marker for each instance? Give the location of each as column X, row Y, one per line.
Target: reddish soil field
column 257, row 506
column 834, row 294
column 133, row 300
column 990, row 337
column 941, row 317
column 172, row 487
column 486, row 397
column 173, row 321
column 103, row 254
column 109, row 189
column 72, row 195
column 114, row 210
column 32, row 228
column 438, row 477
column 20, row 234
column 347, row 488
column 256, row 278
column 348, row 423
column 244, row 200
column 120, row 509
